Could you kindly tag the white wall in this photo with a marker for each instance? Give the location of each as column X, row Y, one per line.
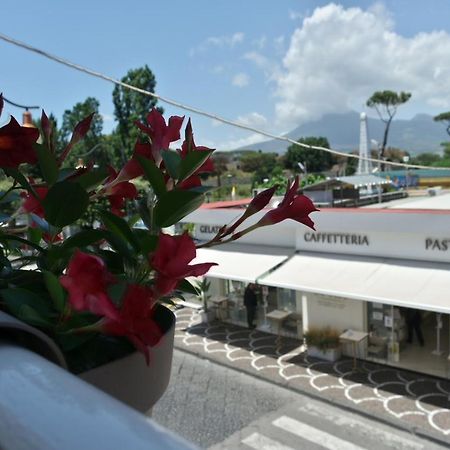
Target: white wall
column 412, row 234
column 339, row 313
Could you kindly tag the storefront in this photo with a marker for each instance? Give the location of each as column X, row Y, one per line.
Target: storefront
column 365, row 270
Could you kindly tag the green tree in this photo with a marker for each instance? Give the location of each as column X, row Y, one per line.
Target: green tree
column 386, row 104
column 131, row 106
column 90, row 147
column 444, row 117
column 426, row 159
column 258, row 163
column 314, row 160
column 221, row 161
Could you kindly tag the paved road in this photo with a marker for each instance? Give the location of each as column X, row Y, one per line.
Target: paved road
column 214, row 406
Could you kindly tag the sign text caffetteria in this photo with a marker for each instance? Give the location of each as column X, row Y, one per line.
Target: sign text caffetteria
column 337, row 238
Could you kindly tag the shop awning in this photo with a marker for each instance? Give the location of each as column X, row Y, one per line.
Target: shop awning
column 415, row 284
column 242, row 262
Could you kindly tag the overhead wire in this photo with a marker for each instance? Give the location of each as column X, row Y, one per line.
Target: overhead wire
column 201, row 112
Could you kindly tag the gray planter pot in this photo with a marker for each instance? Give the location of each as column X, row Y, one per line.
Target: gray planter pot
column 331, row 354
column 130, row 380
column 208, row 316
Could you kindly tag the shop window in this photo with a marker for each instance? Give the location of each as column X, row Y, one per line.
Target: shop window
column 286, row 299
column 234, row 287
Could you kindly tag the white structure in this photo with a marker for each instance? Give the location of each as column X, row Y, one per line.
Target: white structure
column 363, row 269
column 364, row 165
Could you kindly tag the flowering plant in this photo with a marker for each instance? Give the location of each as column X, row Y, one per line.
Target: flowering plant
column 94, row 290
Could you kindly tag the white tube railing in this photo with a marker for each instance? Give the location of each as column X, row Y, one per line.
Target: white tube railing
column 44, row 407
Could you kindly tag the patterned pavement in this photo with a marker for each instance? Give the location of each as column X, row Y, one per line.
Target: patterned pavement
column 421, row 403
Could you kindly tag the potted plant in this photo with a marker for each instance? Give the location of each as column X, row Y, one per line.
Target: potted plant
column 207, row 314
column 323, row 343
column 82, row 276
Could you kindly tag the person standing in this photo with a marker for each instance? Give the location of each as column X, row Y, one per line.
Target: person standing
column 250, row 302
column 414, row 322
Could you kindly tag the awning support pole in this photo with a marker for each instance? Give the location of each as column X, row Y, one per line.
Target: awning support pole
column 438, row 351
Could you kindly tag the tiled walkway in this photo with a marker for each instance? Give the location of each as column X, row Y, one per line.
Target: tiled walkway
column 419, row 401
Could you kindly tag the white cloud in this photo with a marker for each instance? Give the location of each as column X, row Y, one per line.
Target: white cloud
column 295, row 15
column 218, row 69
column 226, row 41
column 253, row 119
column 338, row 57
column 260, row 43
column 241, row 79
column 234, row 143
column 257, row 58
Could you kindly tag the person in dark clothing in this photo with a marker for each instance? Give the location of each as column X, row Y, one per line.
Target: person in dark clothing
column 414, row 323
column 250, row 302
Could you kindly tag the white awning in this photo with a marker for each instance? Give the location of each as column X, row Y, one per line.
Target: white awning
column 416, row 284
column 242, row 262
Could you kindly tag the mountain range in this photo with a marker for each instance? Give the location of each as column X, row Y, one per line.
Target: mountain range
column 417, row 135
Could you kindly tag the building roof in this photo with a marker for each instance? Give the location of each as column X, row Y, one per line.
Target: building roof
column 355, row 181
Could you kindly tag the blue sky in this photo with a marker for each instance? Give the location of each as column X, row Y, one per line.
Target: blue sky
column 268, row 64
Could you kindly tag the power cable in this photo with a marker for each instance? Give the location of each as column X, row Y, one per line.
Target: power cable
column 25, row 107
column 200, row 112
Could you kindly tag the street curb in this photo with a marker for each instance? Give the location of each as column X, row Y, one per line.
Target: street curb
column 414, row 430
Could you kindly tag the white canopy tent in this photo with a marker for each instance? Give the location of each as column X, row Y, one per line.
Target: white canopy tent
column 413, row 284
column 242, row 262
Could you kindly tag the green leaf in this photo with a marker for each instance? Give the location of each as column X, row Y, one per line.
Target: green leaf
column 65, row 203
column 90, row 180
column 8, row 197
column 35, row 235
column 172, row 162
column 47, row 163
column 147, row 241
column 153, row 175
column 21, row 179
column 174, row 205
column 119, row 227
column 7, row 237
column 192, row 162
column 83, row 239
column 28, row 306
column 56, row 291
column 190, row 288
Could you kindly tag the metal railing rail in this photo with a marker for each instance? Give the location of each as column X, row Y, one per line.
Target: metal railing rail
column 42, row 406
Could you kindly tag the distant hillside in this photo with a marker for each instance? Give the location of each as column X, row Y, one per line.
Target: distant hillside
column 417, row 135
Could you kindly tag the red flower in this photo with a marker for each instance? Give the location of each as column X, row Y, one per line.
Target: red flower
column 87, row 279
column 161, row 135
column 133, row 168
column 33, row 205
column 293, row 206
column 16, row 144
column 136, row 319
column 171, row 262
column 119, row 192
column 187, row 147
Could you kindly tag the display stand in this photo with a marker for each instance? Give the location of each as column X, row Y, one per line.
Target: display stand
column 278, row 316
column 354, row 338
